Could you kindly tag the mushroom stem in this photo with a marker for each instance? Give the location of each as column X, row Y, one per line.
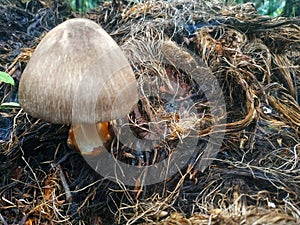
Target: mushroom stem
column 89, row 138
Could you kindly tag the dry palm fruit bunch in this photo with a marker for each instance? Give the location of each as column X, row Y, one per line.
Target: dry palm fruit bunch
column 212, row 139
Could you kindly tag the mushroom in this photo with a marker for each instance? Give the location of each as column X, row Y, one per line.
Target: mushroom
column 78, row 75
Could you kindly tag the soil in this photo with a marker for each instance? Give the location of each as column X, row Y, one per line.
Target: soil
column 251, row 177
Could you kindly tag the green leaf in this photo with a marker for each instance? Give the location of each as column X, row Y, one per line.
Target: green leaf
column 6, row 78
column 9, row 105
column 82, row 6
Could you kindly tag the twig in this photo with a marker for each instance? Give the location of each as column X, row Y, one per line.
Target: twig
column 3, row 220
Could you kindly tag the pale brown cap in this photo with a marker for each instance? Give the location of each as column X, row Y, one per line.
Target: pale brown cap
column 78, row 74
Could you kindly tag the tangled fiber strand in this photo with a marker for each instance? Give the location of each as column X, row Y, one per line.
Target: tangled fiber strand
column 252, row 178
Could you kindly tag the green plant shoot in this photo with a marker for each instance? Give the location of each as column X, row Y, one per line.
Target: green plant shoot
column 6, row 78
column 9, row 105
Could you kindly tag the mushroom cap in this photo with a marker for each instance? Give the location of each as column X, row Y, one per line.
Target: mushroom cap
column 78, row 74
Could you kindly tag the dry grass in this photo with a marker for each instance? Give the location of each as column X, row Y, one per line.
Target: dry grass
column 252, row 178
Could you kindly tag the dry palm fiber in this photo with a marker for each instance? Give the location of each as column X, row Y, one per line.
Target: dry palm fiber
column 254, row 178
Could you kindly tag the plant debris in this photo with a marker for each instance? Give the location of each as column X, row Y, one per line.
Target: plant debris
column 178, row 49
